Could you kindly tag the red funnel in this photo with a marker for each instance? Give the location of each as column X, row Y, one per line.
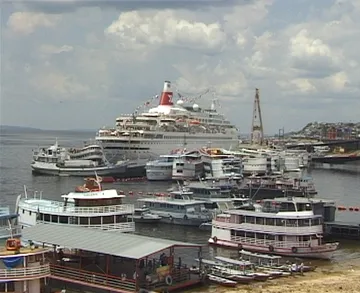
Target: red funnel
column 166, row 95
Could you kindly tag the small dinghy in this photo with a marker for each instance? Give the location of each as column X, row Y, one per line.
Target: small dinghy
column 221, row 281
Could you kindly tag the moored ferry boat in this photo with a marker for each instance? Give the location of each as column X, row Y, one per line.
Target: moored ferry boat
column 60, row 161
column 283, row 226
column 89, row 206
column 166, row 127
column 219, row 164
column 271, row 186
column 23, row 269
column 178, row 208
column 160, row 169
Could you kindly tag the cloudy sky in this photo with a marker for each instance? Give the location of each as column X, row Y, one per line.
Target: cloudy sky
column 80, row 64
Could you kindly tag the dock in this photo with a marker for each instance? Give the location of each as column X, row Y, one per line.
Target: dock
column 116, row 262
column 342, row 230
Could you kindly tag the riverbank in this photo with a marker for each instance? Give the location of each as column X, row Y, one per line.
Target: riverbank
column 342, row 278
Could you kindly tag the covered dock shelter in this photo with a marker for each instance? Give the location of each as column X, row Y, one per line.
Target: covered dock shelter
column 116, row 262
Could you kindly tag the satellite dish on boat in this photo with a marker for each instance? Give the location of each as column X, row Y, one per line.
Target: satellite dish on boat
column 196, row 107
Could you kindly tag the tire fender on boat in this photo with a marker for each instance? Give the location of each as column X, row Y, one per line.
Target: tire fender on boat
column 294, row 250
column 168, row 280
column 171, row 218
column 240, row 247
column 271, row 248
column 215, row 239
column 185, row 217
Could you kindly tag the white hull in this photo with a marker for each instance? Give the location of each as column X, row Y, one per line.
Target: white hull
column 119, row 148
column 113, row 170
column 321, row 252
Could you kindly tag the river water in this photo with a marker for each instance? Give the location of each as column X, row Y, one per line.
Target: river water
column 341, row 184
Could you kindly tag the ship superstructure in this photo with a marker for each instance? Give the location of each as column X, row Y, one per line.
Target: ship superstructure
column 166, row 127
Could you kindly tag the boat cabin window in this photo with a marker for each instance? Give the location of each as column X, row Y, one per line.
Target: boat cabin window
column 317, row 221
column 304, row 207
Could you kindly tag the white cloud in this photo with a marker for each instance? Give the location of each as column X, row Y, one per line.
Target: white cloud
column 27, row 22
column 51, row 49
column 59, row 85
column 303, row 56
column 139, row 29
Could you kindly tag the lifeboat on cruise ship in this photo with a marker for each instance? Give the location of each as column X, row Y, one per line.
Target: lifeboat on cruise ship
column 91, row 184
column 194, row 122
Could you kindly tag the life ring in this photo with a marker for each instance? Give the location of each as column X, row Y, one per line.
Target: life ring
column 215, row 239
column 271, row 248
column 185, row 217
column 168, row 280
column 294, row 250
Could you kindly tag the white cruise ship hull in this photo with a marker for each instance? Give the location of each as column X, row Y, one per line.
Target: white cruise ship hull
column 117, row 148
column 119, row 171
column 325, row 251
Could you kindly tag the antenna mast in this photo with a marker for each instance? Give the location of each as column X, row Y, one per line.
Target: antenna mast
column 257, row 131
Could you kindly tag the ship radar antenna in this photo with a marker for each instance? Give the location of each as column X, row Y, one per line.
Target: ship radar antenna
column 257, row 131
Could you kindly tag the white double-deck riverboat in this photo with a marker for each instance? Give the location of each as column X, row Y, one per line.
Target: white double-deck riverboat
column 89, row 206
column 283, row 226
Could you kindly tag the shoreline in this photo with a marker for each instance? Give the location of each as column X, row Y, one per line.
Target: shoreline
column 324, row 280
column 336, row 278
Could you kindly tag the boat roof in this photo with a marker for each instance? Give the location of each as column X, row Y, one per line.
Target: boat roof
column 220, row 199
column 8, row 216
column 99, row 241
column 233, row 261
column 103, row 194
column 259, row 255
column 299, row 199
column 202, row 185
column 169, row 200
column 209, row 262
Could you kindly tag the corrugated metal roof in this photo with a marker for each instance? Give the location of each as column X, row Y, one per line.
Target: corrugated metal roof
column 113, row 243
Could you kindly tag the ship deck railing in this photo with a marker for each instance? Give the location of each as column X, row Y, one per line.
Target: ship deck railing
column 55, row 207
column 6, row 231
column 284, row 230
column 33, row 272
column 115, row 227
column 274, row 243
column 92, row 279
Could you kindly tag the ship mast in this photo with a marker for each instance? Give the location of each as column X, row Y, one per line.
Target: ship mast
column 257, row 131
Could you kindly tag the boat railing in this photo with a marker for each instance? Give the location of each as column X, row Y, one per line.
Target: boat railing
column 7, row 231
column 61, row 208
column 289, row 230
column 33, row 272
column 115, row 227
column 92, row 279
column 267, row 242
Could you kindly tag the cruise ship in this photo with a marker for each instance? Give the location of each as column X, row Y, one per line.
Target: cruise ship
column 166, row 127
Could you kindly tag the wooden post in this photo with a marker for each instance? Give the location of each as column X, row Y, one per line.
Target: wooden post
column 137, row 273
column 107, row 264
